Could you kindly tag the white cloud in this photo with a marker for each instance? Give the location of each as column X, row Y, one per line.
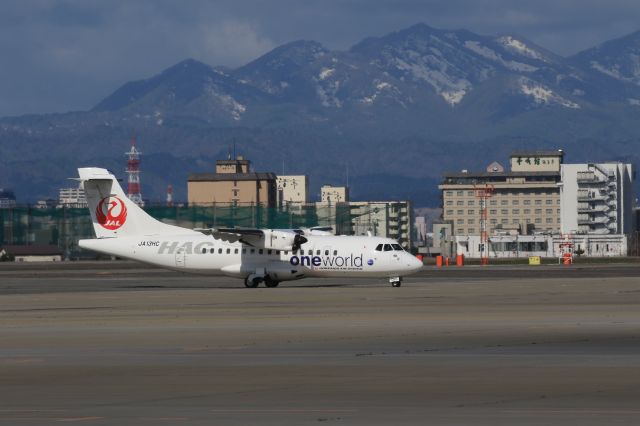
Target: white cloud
column 230, row 43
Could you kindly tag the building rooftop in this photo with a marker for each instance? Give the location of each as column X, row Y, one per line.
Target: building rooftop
column 220, row 177
column 232, row 162
column 557, row 153
column 498, row 174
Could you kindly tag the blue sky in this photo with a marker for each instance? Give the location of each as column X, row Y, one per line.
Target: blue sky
column 66, row 55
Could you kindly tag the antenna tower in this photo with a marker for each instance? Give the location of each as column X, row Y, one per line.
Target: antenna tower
column 133, row 174
column 483, row 193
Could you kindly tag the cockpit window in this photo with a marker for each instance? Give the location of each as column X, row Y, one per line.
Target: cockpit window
column 387, row 247
column 397, row 247
column 379, row 248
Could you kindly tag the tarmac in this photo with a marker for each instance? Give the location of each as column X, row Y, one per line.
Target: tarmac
column 120, row 343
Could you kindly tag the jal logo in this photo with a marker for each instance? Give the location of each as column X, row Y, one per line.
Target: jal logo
column 111, row 213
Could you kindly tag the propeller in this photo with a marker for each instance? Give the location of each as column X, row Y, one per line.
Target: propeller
column 298, row 240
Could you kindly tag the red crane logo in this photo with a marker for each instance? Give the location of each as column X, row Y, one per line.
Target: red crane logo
column 111, row 213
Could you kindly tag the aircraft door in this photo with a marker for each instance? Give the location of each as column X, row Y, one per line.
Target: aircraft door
column 180, row 257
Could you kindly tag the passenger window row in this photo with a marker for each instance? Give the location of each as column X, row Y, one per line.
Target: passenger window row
column 244, row 251
column 269, row 252
column 318, row 252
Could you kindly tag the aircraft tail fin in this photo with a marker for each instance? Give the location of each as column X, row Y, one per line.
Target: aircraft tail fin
column 112, row 213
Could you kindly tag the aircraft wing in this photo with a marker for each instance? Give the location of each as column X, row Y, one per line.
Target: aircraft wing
column 268, row 238
column 321, row 230
column 248, row 236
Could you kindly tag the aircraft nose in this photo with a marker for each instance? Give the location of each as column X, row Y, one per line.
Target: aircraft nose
column 415, row 264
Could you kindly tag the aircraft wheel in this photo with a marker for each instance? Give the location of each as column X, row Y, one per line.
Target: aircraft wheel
column 271, row 283
column 252, row 281
column 396, row 283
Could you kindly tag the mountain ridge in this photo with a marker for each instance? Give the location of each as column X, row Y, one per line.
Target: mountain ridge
column 406, row 105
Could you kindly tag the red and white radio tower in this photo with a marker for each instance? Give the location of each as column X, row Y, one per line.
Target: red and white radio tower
column 484, row 192
column 133, row 173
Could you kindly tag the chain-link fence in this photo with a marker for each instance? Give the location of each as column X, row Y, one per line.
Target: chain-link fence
column 64, row 226
column 634, row 244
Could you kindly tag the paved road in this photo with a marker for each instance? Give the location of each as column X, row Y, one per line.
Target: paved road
column 124, row 275
column 495, row 346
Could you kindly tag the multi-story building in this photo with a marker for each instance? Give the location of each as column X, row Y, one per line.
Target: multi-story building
column 46, row 203
column 292, row 189
column 420, row 226
column 380, row 218
column 72, row 197
column 232, row 183
column 597, row 198
column 334, row 194
column 385, row 218
column 587, row 207
column 524, row 200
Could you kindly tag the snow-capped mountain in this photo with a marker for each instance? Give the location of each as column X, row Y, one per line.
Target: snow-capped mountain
column 189, row 88
column 279, row 72
column 615, row 63
column 453, row 64
column 405, row 69
column 417, row 65
column 395, row 107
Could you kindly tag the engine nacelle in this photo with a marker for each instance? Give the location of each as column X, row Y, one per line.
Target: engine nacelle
column 283, row 240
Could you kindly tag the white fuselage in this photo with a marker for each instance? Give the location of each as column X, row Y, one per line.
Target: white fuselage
column 320, row 256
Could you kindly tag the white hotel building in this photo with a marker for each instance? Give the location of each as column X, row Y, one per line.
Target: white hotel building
column 595, row 204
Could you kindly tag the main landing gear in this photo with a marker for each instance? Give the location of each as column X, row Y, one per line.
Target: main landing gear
column 395, row 281
column 253, row 281
column 270, row 283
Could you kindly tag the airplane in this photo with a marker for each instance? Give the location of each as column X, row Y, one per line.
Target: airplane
column 258, row 256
